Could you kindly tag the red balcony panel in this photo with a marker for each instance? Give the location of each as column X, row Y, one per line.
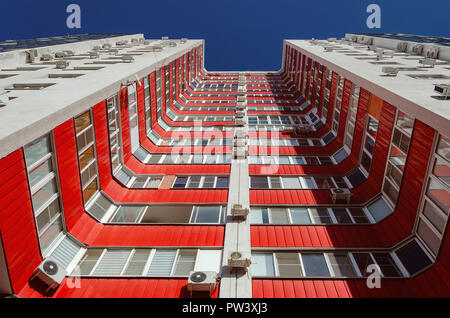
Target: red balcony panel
column 17, row 225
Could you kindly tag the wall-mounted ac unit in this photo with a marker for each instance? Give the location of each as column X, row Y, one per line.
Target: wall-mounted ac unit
column 289, row 130
column 428, row 62
column 372, row 47
column 402, row 46
column 239, row 260
column 106, row 46
column 240, row 114
column 418, row 49
column 240, row 153
column 62, row 64
column 241, row 99
column 46, row 57
column 240, row 133
column 240, row 142
column 239, row 122
column 340, row 195
column 205, row 281
column 389, row 70
column 238, row 211
column 240, row 106
column 60, row 54
column 442, row 89
column 50, row 273
column 127, row 58
column 93, row 54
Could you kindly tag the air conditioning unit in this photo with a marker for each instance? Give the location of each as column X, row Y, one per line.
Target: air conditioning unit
column 134, row 40
column 46, row 57
column 354, row 38
column 240, row 133
column 442, row 89
column 240, row 153
column 331, row 39
column 369, row 41
column 172, row 43
column 379, row 54
column 146, row 42
column 428, row 62
column 372, row 48
column 93, row 54
column 240, row 114
column 388, row 54
column 183, row 40
column 241, row 99
column 238, row 211
column 418, row 49
column 340, row 195
column 127, row 58
column 240, row 106
column 240, row 142
column 302, row 129
column 402, row 46
column 31, row 55
column 106, row 46
column 164, row 38
column 239, row 121
column 62, row 64
column 432, row 52
column 96, row 48
column 50, row 273
column 328, row 49
column 121, row 43
column 289, row 130
column 389, row 70
column 202, row 281
column 238, row 260
column 60, row 54
column 156, row 48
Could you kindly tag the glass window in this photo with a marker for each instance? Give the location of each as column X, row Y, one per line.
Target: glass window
column 49, row 235
column 123, row 177
column 279, row 216
column 222, row 182
column 341, row 265
column 259, row 215
column 413, row 257
column 262, row 264
column 137, row 262
column 300, row 216
column 259, row 182
column 429, row 237
column 162, row 263
column 289, row 265
column 36, row 150
column 387, row 264
column 435, row 216
column 356, row 178
column 363, row 260
column 379, row 210
column 209, row 182
column 90, row 190
column 405, row 122
column 185, row 262
column 89, row 260
column 442, row 171
column 82, row 121
column 44, row 194
column 341, row 215
column 86, row 157
column 340, row 155
column 40, row 172
column 439, row 194
column 207, row 214
column 180, row 182
column 127, row 214
column 320, row 215
column 443, row 148
column 291, row 183
column 315, row 265
column 194, row 182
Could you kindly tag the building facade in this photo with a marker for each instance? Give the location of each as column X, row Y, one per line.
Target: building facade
column 128, row 170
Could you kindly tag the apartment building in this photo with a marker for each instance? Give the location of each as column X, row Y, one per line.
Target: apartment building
column 129, row 170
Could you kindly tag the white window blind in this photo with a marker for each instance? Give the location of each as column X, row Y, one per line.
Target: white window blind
column 112, row 263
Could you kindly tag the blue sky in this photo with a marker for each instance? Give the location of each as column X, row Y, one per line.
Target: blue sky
column 239, row 34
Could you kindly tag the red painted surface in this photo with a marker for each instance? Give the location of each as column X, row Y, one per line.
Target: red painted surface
column 17, row 225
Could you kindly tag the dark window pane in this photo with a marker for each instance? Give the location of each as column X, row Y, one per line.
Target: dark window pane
column 413, row 257
column 315, row 265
